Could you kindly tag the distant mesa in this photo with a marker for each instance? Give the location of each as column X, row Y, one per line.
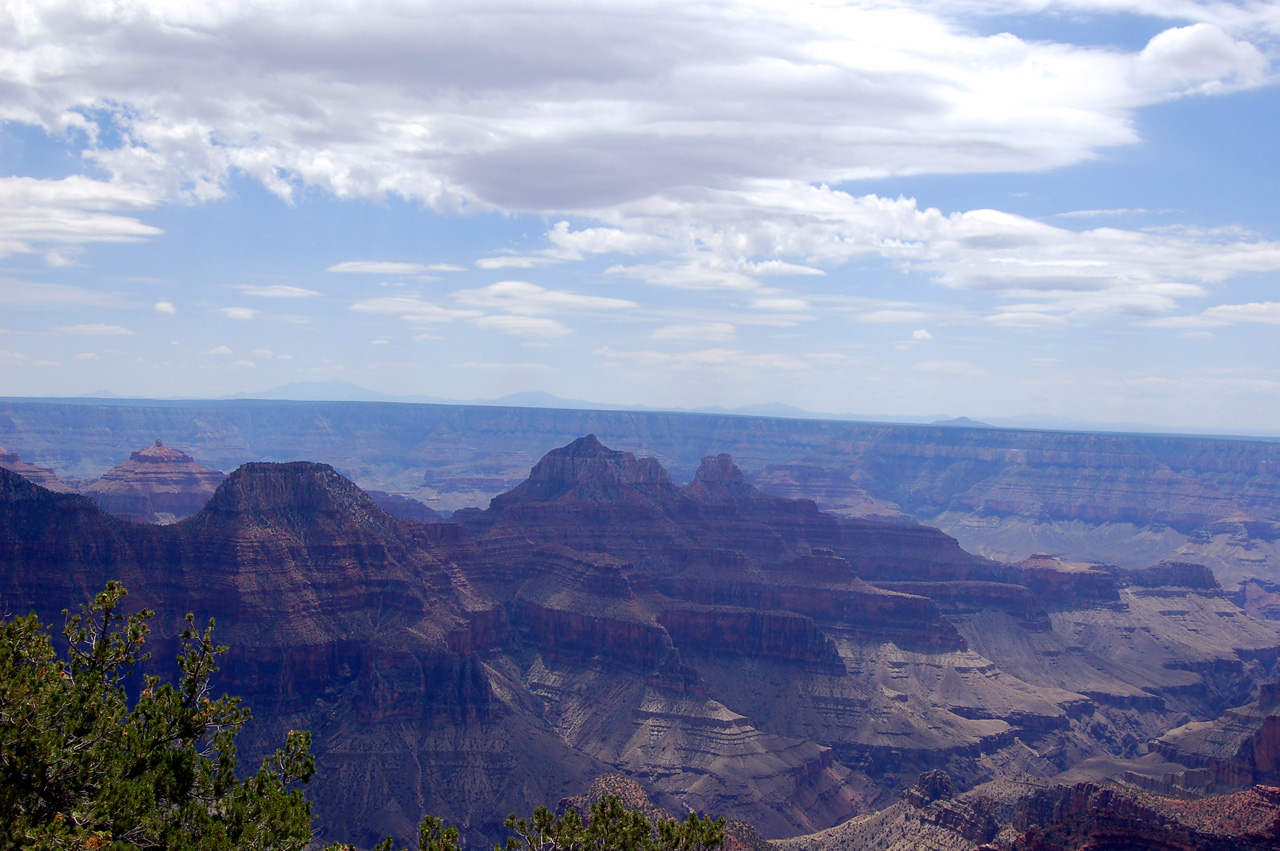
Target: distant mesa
column 962, row 422
column 158, row 484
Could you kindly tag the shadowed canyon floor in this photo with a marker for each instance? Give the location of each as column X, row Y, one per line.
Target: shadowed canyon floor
column 729, row 650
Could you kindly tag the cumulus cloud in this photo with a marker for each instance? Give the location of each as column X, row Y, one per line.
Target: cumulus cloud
column 609, row 104
column 1080, row 273
column 921, row 334
column 165, row 307
column 700, row 144
column 1197, row 59
column 240, row 313
column 220, row 350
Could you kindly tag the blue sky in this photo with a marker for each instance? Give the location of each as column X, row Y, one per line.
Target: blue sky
column 987, row 208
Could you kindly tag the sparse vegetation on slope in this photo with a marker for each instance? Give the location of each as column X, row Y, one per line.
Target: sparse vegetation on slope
column 81, row 768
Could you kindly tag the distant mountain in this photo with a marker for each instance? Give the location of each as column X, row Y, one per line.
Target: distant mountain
column 962, row 422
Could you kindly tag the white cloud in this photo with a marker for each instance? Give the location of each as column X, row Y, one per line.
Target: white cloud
column 697, row 332
column 514, row 262
column 1267, row 312
column 706, row 136
column 384, row 267
column 165, row 307
column 602, row 241
column 277, row 291
column 459, row 108
column 525, row 298
column 921, row 334
column 240, row 313
column 781, row 304
column 1119, row 211
column 1259, row 312
column 93, row 330
column 87, row 356
column 54, row 216
column 263, row 353
column 1197, row 59
column 411, row 308
column 1086, row 274
column 531, row 326
column 220, row 350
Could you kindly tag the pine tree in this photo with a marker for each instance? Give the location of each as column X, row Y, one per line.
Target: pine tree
column 81, row 768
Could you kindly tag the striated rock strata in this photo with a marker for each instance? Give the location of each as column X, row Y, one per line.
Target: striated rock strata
column 740, row 653
column 158, row 484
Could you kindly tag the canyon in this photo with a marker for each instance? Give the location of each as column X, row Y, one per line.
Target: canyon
column 725, row 648
column 1124, row 499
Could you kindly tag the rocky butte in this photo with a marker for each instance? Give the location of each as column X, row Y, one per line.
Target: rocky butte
column 156, row 485
column 727, row 650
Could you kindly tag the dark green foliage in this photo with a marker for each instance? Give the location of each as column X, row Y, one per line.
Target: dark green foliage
column 79, row 768
column 611, row 827
column 432, row 836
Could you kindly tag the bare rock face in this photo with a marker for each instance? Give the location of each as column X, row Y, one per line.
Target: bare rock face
column 341, row 619
column 741, row 653
column 42, row 476
column 1239, row 748
column 1065, row 818
column 156, row 485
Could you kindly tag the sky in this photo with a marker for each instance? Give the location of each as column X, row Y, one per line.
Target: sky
column 990, row 208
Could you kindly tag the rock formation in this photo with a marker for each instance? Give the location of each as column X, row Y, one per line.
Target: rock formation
column 42, row 476
column 1124, row 499
column 737, row 652
column 158, row 484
